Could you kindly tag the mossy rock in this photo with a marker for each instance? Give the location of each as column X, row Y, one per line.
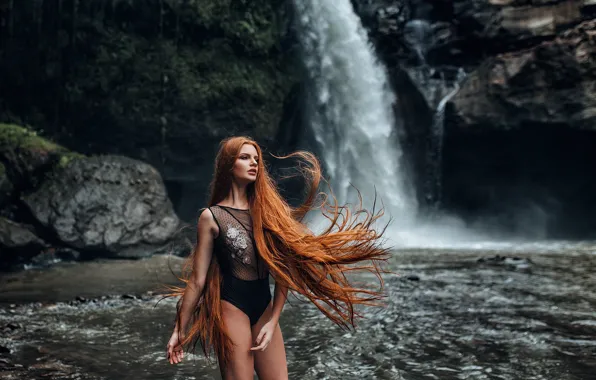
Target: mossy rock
column 26, row 155
column 17, row 137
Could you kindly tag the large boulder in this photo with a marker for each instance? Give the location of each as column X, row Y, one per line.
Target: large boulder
column 550, row 83
column 106, row 205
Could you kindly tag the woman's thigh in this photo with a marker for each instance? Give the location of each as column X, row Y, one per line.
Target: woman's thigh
column 241, row 363
column 270, row 364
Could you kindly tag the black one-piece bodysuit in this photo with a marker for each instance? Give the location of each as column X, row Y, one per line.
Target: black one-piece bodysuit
column 245, row 275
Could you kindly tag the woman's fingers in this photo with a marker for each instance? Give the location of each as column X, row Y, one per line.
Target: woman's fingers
column 260, row 337
column 169, row 353
column 174, row 356
column 264, row 342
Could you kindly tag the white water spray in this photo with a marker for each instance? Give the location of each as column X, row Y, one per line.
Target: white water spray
column 351, row 108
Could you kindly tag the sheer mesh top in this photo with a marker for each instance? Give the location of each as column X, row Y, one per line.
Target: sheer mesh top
column 235, row 248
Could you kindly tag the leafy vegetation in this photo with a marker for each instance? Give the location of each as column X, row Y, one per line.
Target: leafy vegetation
column 139, row 77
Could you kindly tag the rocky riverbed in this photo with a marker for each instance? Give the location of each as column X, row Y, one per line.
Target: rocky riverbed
column 465, row 314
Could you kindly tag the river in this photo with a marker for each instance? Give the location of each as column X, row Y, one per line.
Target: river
column 449, row 314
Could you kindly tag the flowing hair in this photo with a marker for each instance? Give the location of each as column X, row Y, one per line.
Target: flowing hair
column 313, row 265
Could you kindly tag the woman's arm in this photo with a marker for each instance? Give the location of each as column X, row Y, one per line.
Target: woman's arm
column 279, row 299
column 266, row 333
column 207, row 230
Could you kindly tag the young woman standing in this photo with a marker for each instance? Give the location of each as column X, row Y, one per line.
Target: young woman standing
column 249, row 232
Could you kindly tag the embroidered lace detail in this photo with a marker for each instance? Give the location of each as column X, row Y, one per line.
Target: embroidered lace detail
column 238, row 240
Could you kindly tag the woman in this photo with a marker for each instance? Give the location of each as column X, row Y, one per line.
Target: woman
column 248, row 232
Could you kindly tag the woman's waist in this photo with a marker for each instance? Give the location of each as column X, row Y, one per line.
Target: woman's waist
column 242, row 285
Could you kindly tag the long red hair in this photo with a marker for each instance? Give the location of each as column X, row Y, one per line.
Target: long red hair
column 313, row 265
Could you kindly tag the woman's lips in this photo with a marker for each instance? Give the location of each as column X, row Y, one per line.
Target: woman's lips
column 252, row 171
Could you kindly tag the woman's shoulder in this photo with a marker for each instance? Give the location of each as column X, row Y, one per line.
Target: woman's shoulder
column 208, row 221
column 205, row 214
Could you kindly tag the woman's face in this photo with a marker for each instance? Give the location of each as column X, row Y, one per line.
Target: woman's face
column 246, row 165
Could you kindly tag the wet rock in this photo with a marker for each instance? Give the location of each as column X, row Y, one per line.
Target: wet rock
column 413, row 277
column 18, row 236
column 515, row 263
column 52, row 365
column 549, row 84
column 18, row 243
column 585, row 326
column 515, row 20
column 67, row 254
column 108, row 205
column 11, row 327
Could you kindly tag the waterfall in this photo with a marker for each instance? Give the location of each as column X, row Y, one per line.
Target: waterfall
column 350, row 113
column 350, row 108
column 435, row 151
column 351, row 116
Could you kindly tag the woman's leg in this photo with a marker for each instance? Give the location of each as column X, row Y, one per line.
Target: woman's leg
column 270, row 364
column 241, row 364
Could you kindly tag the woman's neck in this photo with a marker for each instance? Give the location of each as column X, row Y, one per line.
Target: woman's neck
column 237, row 197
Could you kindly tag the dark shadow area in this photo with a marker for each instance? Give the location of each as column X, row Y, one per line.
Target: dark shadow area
column 538, row 177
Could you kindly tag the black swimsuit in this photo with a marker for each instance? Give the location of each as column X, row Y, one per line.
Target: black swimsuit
column 245, row 275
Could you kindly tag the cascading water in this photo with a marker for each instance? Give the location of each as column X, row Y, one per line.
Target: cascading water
column 352, row 120
column 353, row 123
column 435, row 151
column 351, row 108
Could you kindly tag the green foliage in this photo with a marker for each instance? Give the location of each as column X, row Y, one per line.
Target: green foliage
column 135, row 77
column 250, row 24
column 67, row 157
column 14, row 137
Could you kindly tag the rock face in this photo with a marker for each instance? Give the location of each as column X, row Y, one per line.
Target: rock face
column 552, row 83
column 105, row 204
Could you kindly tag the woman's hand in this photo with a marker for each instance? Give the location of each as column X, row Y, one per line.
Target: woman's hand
column 264, row 337
column 174, row 348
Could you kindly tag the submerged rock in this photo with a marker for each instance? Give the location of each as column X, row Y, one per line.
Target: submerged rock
column 514, row 263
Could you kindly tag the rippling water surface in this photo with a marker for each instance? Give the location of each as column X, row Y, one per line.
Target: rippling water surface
column 449, row 315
